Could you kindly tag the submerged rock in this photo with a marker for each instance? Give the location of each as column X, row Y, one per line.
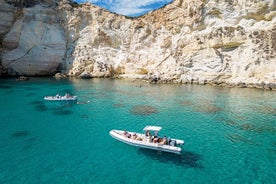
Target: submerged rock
column 143, row 110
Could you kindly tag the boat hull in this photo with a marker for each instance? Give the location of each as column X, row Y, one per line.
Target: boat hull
column 144, row 143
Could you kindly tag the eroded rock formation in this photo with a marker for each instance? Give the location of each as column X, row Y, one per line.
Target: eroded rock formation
column 188, row 41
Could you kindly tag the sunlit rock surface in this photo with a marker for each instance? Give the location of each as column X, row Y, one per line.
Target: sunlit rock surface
column 219, row 42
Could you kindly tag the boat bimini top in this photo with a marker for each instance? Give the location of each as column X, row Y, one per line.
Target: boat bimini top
column 152, row 128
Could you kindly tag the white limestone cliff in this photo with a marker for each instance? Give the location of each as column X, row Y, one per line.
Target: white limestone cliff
column 35, row 42
column 188, row 41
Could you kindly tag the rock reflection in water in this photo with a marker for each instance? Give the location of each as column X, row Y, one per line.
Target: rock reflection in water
column 143, row 110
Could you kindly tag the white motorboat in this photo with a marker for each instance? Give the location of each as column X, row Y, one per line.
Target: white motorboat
column 146, row 140
column 66, row 97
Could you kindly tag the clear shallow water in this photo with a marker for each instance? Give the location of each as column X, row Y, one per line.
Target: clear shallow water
column 230, row 133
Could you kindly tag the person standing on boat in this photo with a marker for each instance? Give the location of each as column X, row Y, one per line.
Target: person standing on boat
column 148, row 134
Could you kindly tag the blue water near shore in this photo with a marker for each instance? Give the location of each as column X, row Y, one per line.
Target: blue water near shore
column 229, row 133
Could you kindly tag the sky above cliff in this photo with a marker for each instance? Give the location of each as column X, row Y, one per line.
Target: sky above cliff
column 131, row 8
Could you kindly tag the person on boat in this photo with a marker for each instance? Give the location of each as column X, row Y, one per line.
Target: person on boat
column 164, row 140
column 139, row 139
column 148, row 134
column 155, row 139
column 134, row 136
column 128, row 135
column 168, row 140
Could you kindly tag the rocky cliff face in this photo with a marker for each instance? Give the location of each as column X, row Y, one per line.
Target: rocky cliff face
column 229, row 42
column 33, row 40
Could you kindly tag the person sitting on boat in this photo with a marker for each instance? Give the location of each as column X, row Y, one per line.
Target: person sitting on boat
column 128, row 135
column 155, row 139
column 164, row 140
column 139, row 139
column 134, row 136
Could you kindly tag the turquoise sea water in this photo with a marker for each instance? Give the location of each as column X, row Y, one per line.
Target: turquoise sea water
column 229, row 133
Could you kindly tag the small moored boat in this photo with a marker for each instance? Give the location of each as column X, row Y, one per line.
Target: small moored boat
column 66, row 97
column 147, row 140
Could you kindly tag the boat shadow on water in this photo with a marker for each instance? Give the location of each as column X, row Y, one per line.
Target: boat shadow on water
column 61, row 108
column 185, row 159
column 58, row 108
